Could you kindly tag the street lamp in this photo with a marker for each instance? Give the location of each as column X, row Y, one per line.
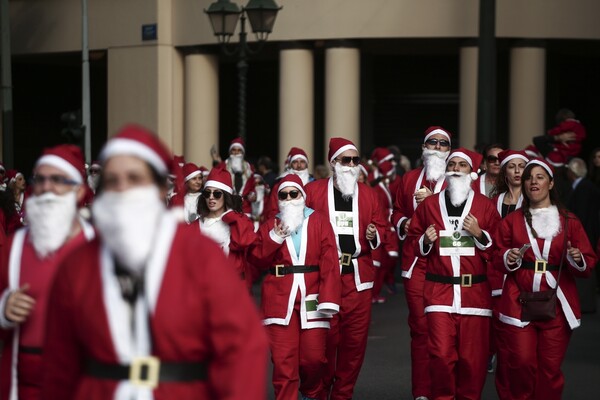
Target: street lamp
column 224, row 15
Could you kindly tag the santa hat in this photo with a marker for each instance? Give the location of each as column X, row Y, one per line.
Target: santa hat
column 204, row 170
column 95, row 163
column 296, row 153
column 11, row 175
column 66, row 157
column 338, row 145
column 506, row 155
column 364, row 168
column 292, row 180
column 386, row 168
column 474, row 159
column 221, row 179
column 137, row 141
column 434, row 130
column 179, row 160
column 532, row 151
column 381, row 154
column 239, row 143
column 189, row 171
column 556, row 159
column 542, row 163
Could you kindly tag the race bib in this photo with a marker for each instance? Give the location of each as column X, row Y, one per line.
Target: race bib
column 456, row 243
column 344, row 223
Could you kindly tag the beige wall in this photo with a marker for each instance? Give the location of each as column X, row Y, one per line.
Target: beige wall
column 53, row 25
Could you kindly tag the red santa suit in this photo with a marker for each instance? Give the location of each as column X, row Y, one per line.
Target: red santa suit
column 572, row 148
column 248, row 184
column 297, row 306
column 21, row 361
column 456, row 294
column 413, row 272
column 193, row 312
column 347, row 339
column 537, row 349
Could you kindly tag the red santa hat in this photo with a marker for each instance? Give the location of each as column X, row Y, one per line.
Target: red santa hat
column 137, row 141
column 338, row 145
column 387, row 168
column 11, row 175
column 66, row 157
column 364, row 168
column 435, row 130
column 473, row 158
column 179, row 160
column 221, row 179
column 532, row 151
column 292, row 180
column 542, row 163
column 556, row 159
column 189, row 171
column 507, row 155
column 204, row 170
column 296, row 153
column 239, row 143
column 381, row 154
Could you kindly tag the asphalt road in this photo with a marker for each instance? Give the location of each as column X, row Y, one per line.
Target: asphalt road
column 385, row 374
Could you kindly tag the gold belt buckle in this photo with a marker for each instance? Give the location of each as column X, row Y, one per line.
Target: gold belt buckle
column 151, row 365
column 540, row 266
column 466, row 280
column 277, row 268
column 346, row 259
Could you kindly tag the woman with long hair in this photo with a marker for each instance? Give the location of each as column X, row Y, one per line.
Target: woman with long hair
column 540, row 251
column 222, row 219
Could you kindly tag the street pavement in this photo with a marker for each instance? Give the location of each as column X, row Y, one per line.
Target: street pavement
column 385, row 374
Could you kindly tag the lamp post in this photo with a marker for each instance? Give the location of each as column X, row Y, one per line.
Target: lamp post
column 224, row 16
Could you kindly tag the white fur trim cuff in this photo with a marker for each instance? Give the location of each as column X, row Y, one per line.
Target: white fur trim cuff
column 328, row 308
column 275, row 237
column 507, row 265
column 422, row 246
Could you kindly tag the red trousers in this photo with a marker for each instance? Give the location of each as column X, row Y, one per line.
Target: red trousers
column 298, row 357
column 383, row 273
column 347, row 341
column 534, row 357
column 417, row 322
column 458, row 349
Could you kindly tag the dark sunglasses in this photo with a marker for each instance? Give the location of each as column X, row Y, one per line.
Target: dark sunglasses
column 284, row 195
column 492, row 159
column 54, row 179
column 347, row 160
column 217, row 194
column 434, row 142
column 94, row 171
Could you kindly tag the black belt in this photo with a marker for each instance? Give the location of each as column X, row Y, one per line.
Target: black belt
column 30, row 350
column 347, row 269
column 148, row 371
column 465, row 280
column 539, row 266
column 281, row 270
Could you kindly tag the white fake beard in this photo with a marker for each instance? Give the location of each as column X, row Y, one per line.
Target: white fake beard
column 346, row 178
column 128, row 222
column 545, row 221
column 50, row 218
column 93, row 181
column 292, row 213
column 435, row 164
column 218, row 231
column 459, row 187
column 191, row 207
column 237, row 162
column 303, row 174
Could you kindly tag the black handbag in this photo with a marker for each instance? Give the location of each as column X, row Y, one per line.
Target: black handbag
column 541, row 306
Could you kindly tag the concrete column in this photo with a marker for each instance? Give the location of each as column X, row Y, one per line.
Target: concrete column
column 201, row 107
column 468, row 97
column 527, row 94
column 296, row 99
column 178, row 103
column 342, row 94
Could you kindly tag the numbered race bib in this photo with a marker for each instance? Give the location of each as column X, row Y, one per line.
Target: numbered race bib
column 344, row 223
column 456, row 243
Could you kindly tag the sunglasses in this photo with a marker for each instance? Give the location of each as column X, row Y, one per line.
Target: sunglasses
column 492, row 159
column 434, row 142
column 348, row 160
column 94, row 171
column 284, row 195
column 217, row 194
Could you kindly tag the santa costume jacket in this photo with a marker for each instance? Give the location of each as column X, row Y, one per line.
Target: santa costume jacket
column 193, row 310
column 513, row 232
column 279, row 294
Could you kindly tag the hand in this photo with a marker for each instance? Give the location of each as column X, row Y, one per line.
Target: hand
column 281, row 230
column 565, row 137
column 371, row 231
column 19, row 305
column 251, row 197
column 471, row 225
column 422, row 194
column 406, row 225
column 575, row 253
column 513, row 256
column 430, row 235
